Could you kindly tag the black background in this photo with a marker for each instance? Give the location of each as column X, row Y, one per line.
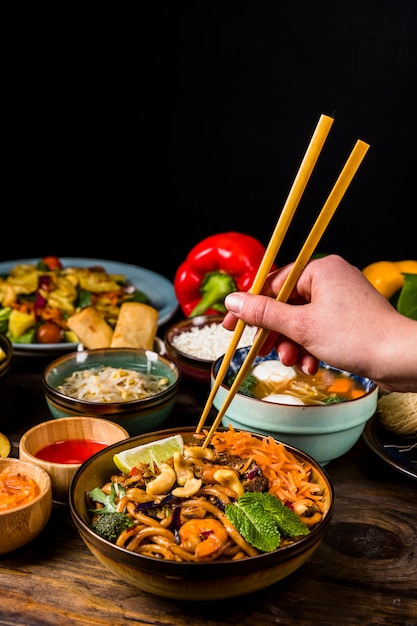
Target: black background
column 131, row 135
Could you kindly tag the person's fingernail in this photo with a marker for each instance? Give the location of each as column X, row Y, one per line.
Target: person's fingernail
column 234, row 303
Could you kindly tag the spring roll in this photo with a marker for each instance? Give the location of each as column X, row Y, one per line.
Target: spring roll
column 136, row 326
column 91, row 328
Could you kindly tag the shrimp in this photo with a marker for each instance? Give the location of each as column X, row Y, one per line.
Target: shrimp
column 205, row 538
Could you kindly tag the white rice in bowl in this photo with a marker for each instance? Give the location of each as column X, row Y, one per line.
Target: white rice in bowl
column 211, row 341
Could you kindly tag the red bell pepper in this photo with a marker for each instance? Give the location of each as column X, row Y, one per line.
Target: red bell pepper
column 215, row 267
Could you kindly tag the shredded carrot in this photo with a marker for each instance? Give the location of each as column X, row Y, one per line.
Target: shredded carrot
column 23, row 307
column 53, row 314
column 16, row 489
column 289, row 478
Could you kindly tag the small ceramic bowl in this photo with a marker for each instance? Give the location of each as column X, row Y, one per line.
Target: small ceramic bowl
column 191, row 580
column 137, row 415
column 21, row 524
column 325, row 431
column 195, row 343
column 6, row 354
column 60, row 446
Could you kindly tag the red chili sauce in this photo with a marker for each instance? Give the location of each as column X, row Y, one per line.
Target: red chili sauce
column 70, row 451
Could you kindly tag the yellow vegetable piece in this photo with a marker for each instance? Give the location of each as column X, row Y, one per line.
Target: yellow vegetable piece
column 387, row 276
column 71, row 337
column 5, row 446
column 20, row 322
column 407, row 267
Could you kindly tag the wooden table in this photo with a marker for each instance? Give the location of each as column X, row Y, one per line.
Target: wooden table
column 364, row 572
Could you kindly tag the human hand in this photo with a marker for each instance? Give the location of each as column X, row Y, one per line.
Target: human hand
column 334, row 314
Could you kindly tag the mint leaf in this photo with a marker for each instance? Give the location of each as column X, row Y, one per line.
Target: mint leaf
column 258, row 528
column 407, row 301
column 262, row 519
column 288, row 522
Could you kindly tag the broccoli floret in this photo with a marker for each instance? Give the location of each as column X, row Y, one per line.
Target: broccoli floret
column 110, row 525
column 109, row 522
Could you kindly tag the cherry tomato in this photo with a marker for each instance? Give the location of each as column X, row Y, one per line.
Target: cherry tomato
column 53, row 262
column 48, row 333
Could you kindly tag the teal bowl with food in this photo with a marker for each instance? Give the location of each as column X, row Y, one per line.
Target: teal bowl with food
column 133, row 387
column 323, row 415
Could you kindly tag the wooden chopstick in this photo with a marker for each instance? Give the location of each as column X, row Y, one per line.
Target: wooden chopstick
column 300, row 182
column 322, row 221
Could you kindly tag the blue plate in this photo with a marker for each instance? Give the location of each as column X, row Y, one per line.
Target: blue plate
column 398, row 451
column 159, row 290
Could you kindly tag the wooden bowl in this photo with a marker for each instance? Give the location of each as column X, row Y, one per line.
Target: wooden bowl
column 88, row 429
column 23, row 523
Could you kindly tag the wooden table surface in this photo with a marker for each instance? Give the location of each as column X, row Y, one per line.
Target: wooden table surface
column 364, row 572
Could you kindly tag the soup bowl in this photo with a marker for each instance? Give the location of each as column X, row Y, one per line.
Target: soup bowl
column 324, row 431
column 135, row 414
column 191, row 580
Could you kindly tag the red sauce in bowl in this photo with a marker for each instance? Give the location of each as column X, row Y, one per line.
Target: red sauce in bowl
column 70, row 451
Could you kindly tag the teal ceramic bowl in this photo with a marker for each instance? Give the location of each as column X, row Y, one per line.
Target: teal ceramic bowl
column 325, row 432
column 136, row 416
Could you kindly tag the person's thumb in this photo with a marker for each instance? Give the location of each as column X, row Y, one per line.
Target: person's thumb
column 260, row 311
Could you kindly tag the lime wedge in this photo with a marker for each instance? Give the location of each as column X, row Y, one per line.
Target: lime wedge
column 5, row 446
column 154, row 452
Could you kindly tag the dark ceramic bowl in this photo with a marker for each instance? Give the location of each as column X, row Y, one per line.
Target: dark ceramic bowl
column 6, row 354
column 325, row 431
column 200, row 345
column 182, row 580
column 136, row 416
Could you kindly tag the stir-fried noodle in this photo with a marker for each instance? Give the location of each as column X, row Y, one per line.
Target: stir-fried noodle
column 178, row 512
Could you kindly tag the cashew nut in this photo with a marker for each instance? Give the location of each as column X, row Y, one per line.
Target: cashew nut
column 182, row 469
column 229, row 478
column 190, row 488
column 200, row 453
column 164, row 482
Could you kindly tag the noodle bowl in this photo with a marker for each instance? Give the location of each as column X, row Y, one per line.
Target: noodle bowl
column 192, row 579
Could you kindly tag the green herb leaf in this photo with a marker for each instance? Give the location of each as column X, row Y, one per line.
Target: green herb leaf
column 247, row 384
column 262, row 519
column 288, row 522
column 258, row 528
column 407, row 301
column 84, row 299
column 108, row 500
